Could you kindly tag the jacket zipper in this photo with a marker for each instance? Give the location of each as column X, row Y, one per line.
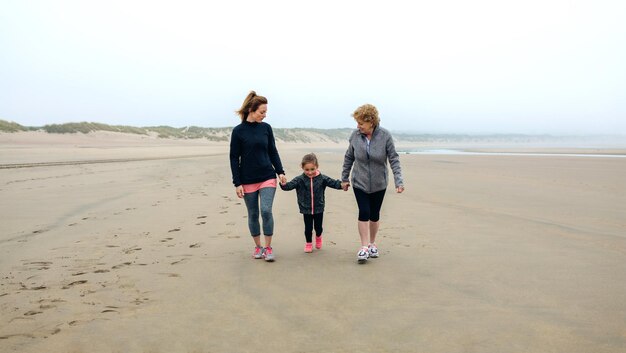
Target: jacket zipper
column 312, row 197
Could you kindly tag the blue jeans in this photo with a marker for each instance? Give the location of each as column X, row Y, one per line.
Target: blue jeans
column 265, row 198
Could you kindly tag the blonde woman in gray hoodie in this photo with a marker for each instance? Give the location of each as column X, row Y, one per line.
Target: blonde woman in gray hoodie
column 365, row 168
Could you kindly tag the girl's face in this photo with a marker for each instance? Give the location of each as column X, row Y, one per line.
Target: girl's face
column 309, row 169
column 258, row 115
column 364, row 127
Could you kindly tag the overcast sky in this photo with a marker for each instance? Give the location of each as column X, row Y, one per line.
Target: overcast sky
column 448, row 66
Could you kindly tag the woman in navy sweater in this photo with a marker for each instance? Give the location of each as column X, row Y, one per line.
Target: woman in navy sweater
column 254, row 163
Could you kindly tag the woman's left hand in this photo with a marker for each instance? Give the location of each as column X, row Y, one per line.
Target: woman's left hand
column 400, row 189
column 282, row 179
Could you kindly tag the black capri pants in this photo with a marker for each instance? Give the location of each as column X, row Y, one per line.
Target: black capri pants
column 369, row 204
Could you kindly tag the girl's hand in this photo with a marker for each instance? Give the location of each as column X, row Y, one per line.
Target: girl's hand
column 400, row 189
column 239, row 190
column 345, row 185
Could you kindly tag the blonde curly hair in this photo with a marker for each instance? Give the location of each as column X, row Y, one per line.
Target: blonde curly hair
column 367, row 113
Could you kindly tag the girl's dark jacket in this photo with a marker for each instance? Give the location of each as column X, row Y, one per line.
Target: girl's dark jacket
column 310, row 191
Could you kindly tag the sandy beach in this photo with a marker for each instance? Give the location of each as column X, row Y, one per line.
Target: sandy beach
column 124, row 244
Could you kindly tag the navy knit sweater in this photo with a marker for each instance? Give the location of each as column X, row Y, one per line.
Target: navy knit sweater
column 253, row 154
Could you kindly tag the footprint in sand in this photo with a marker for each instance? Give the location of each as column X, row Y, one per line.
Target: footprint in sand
column 174, row 230
column 70, row 285
column 200, row 223
column 200, row 217
column 116, row 267
column 196, row 245
column 101, row 271
column 166, row 240
column 110, row 309
column 179, row 261
column 170, row 274
column 40, row 265
column 131, row 250
column 230, row 223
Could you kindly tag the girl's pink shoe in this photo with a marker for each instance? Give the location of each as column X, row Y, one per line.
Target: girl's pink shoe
column 318, row 242
column 308, row 247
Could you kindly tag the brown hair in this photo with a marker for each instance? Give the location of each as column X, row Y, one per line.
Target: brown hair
column 250, row 104
column 309, row 158
column 367, row 113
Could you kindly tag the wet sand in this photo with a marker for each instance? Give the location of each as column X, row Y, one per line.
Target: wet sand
column 149, row 252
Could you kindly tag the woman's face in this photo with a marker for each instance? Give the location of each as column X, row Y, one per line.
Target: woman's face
column 258, row 115
column 364, row 127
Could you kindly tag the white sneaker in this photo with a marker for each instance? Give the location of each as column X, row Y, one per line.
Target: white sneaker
column 362, row 255
column 373, row 250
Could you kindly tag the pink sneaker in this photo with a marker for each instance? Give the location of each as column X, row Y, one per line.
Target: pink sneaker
column 318, row 242
column 308, row 247
column 258, row 252
column 268, row 254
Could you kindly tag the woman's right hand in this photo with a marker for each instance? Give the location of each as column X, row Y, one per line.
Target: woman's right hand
column 239, row 190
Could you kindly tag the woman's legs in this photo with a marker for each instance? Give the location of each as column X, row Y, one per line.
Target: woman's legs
column 376, row 203
column 264, row 198
column 252, row 204
column 369, row 214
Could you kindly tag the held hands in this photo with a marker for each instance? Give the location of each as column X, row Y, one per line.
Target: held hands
column 345, row 185
column 400, row 189
column 283, row 179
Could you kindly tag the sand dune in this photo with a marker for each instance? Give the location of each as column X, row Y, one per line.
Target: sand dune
column 149, row 252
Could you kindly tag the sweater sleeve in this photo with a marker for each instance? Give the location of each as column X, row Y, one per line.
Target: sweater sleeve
column 394, row 162
column 235, row 155
column 290, row 185
column 273, row 152
column 332, row 183
column 348, row 161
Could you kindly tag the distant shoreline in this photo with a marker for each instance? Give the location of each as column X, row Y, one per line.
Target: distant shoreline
column 568, row 153
column 89, row 132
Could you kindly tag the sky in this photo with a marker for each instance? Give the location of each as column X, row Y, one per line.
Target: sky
column 446, row 66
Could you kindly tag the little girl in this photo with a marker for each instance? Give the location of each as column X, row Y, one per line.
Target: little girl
column 310, row 187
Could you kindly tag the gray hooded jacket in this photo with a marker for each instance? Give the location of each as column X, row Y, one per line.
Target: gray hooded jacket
column 369, row 165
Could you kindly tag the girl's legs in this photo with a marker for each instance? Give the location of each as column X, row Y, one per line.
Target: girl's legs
column 318, row 219
column 308, row 228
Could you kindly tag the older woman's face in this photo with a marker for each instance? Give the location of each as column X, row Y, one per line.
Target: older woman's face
column 259, row 114
column 365, row 127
